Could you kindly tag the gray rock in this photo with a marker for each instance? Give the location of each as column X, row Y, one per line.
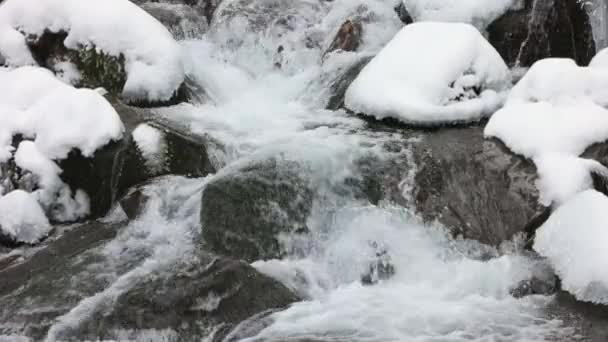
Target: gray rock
column 339, row 86
column 202, row 294
column 474, row 186
column 544, row 28
column 245, row 208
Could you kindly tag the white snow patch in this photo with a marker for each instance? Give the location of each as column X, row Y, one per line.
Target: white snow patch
column 574, row 240
column 476, row 12
column 151, row 143
column 552, row 115
column 22, row 218
column 432, row 73
column 600, row 60
column 68, row 72
column 58, row 118
column 116, row 27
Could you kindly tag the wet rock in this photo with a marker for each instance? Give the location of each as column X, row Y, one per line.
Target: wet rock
column 202, row 294
column 403, row 13
column 348, row 37
column 381, row 268
column 120, row 165
column 196, row 295
column 339, row 86
column 474, row 186
column 245, row 208
column 535, row 286
column 541, row 29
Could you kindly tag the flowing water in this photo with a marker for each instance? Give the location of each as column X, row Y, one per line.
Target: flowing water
column 268, row 84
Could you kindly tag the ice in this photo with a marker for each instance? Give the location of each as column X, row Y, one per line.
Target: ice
column 152, row 57
column 553, row 114
column 478, row 13
column 432, row 73
column 22, row 218
column 574, row 240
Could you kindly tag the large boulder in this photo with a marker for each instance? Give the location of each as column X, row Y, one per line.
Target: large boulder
column 541, row 29
column 189, row 303
column 246, row 207
column 198, row 294
column 474, row 186
column 118, row 166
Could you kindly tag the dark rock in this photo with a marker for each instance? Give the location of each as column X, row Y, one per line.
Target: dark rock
column 403, row 13
column 340, row 85
column 588, row 320
column 474, row 186
column 245, row 208
column 544, row 28
column 120, row 165
column 198, row 296
column 381, row 268
column 348, row 37
column 134, row 202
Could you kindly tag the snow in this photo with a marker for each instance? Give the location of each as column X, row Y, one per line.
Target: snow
column 53, row 118
column 22, row 218
column 574, row 240
column 553, row 114
column 600, row 60
column 478, row 13
column 428, row 73
column 37, row 105
column 152, row 57
column 151, row 143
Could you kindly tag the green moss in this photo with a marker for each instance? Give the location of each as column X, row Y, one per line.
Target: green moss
column 99, row 69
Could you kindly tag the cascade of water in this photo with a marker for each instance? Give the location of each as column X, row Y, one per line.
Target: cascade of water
column 598, row 10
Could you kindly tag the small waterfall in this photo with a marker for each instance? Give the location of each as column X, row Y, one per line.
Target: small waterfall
column 598, row 10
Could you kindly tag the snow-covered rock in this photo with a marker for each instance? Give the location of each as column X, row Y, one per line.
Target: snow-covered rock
column 22, row 220
column 432, row 73
column 478, row 13
column 555, row 112
column 574, row 239
column 600, row 60
column 53, row 119
column 152, row 58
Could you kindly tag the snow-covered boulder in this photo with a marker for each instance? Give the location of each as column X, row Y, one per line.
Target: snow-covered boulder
column 478, row 13
column 50, row 119
column 432, row 73
column 542, row 29
column 555, row 112
column 135, row 54
column 600, row 60
column 22, row 220
column 574, row 240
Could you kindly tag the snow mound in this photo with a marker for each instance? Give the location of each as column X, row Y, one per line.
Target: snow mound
column 53, row 118
column 152, row 57
column 551, row 116
column 21, row 217
column 574, row 239
column 476, row 12
column 600, row 60
column 432, row 73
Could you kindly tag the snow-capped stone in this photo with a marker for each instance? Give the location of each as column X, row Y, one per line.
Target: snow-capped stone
column 152, row 57
column 574, row 240
column 432, row 73
column 21, row 218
